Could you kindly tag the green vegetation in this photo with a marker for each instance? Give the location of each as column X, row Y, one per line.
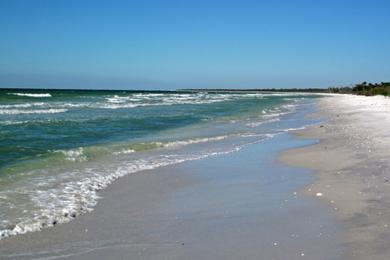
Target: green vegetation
column 364, row 88
column 367, row 89
column 370, row 89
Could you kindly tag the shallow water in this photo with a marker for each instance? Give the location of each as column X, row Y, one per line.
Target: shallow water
column 58, row 148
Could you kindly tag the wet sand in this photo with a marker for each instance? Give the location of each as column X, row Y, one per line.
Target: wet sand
column 243, row 205
column 351, row 164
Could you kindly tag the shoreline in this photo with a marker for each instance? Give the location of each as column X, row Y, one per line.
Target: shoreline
column 350, row 164
column 100, row 137
column 241, row 205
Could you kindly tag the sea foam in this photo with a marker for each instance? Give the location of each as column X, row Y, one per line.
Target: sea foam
column 32, row 111
column 35, row 95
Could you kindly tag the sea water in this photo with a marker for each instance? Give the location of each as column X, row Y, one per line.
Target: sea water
column 59, row 148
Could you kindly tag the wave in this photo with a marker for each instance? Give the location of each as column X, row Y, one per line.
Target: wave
column 294, row 129
column 256, row 124
column 297, row 128
column 132, row 148
column 76, row 192
column 194, row 141
column 151, row 99
column 118, row 106
column 83, row 154
column 74, row 155
column 24, row 105
column 36, row 111
column 134, row 100
column 145, row 99
column 35, row 95
column 10, row 122
column 126, row 151
column 77, row 197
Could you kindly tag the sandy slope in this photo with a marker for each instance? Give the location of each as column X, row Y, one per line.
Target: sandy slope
column 352, row 162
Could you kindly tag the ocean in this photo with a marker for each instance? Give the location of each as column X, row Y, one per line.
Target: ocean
column 58, row 148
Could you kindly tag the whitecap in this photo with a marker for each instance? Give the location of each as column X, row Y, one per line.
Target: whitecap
column 194, row 141
column 24, row 105
column 74, row 155
column 36, row 111
column 36, row 95
column 126, row 151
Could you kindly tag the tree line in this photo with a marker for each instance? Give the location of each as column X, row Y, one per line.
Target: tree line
column 364, row 88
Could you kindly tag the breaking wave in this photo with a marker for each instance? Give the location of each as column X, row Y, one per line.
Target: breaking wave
column 35, row 95
column 33, row 111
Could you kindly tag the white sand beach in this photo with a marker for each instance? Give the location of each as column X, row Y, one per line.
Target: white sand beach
column 352, row 164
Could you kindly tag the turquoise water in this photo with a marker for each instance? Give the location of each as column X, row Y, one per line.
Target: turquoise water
column 58, row 148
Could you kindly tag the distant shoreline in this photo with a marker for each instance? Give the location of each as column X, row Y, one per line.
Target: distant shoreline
column 244, row 91
column 364, row 88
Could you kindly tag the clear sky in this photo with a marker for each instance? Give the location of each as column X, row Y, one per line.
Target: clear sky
column 145, row 44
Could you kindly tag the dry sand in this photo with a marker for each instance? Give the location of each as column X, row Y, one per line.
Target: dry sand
column 352, row 164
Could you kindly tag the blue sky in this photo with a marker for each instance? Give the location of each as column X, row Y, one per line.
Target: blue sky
column 181, row 44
